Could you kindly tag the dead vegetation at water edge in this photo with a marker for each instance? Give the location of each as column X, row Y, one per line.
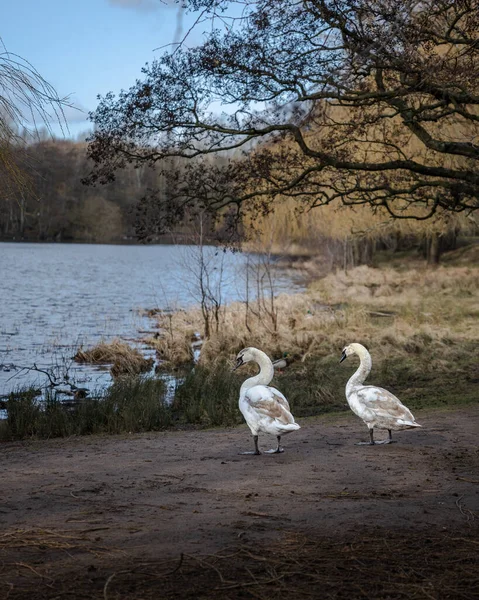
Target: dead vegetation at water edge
column 123, row 358
column 420, row 325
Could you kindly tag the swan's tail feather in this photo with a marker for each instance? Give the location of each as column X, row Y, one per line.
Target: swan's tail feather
column 289, row 427
column 411, row 424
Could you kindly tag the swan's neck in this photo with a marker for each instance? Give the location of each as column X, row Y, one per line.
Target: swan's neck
column 363, row 371
column 265, row 375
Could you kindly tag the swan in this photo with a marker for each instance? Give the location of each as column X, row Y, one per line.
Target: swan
column 374, row 405
column 264, row 408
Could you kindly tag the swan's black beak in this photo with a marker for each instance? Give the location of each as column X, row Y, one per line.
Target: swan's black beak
column 343, row 356
column 239, row 362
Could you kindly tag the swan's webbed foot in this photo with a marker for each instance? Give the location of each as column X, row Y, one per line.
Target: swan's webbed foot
column 277, row 450
column 389, row 440
column 373, row 443
column 256, row 449
column 371, row 440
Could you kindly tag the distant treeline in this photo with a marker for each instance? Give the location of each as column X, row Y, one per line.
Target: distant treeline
column 58, row 207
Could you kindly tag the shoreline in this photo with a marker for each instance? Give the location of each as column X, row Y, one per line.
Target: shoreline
column 85, row 511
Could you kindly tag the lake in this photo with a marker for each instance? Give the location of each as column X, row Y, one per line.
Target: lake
column 56, row 297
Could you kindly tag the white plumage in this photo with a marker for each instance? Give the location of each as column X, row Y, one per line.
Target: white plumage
column 377, row 407
column 264, row 408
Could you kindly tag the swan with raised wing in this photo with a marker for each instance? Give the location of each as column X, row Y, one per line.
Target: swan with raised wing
column 264, row 408
column 377, row 407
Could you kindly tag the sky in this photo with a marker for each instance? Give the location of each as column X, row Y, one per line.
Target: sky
column 90, row 47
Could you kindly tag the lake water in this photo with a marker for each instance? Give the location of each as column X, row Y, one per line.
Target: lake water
column 55, row 297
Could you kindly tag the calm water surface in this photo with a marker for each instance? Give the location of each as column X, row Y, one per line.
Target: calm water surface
column 55, row 297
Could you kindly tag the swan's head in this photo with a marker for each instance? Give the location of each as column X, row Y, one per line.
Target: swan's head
column 358, row 349
column 246, row 355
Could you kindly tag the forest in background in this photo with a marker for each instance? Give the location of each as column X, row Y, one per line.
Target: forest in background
column 60, row 208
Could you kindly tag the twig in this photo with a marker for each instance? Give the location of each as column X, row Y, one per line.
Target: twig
column 26, row 566
column 467, row 513
column 113, row 575
column 263, row 582
column 203, row 562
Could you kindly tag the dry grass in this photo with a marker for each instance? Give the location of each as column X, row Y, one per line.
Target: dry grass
column 124, row 359
column 415, row 566
column 394, row 312
column 375, row 565
column 420, row 325
column 30, row 540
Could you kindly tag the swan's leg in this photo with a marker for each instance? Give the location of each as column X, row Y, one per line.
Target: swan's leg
column 389, row 440
column 371, row 440
column 256, row 449
column 278, row 449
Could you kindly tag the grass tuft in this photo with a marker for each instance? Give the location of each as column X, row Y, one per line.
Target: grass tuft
column 124, row 359
column 209, row 397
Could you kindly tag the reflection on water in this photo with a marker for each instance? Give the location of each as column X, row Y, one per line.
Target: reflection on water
column 54, row 297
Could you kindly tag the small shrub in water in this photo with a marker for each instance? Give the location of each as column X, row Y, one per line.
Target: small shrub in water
column 124, row 359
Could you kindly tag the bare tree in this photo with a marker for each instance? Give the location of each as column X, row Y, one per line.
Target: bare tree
column 260, row 284
column 206, row 268
column 357, row 101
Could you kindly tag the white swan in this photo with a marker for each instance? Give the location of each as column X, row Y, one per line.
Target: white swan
column 264, row 408
column 374, row 405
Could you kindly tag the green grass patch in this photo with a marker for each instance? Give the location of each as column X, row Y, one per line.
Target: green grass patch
column 431, row 375
column 209, row 397
column 129, row 405
column 312, row 387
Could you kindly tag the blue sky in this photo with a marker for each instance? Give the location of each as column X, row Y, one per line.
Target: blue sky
column 89, row 47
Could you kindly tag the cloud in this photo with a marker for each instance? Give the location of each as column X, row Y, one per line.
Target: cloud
column 145, row 5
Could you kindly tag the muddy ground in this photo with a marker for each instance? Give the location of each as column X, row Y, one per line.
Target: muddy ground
column 179, row 514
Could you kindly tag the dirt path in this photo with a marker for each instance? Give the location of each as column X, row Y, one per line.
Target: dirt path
column 80, row 510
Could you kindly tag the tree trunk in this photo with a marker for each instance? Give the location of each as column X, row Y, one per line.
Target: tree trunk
column 367, row 252
column 434, row 249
